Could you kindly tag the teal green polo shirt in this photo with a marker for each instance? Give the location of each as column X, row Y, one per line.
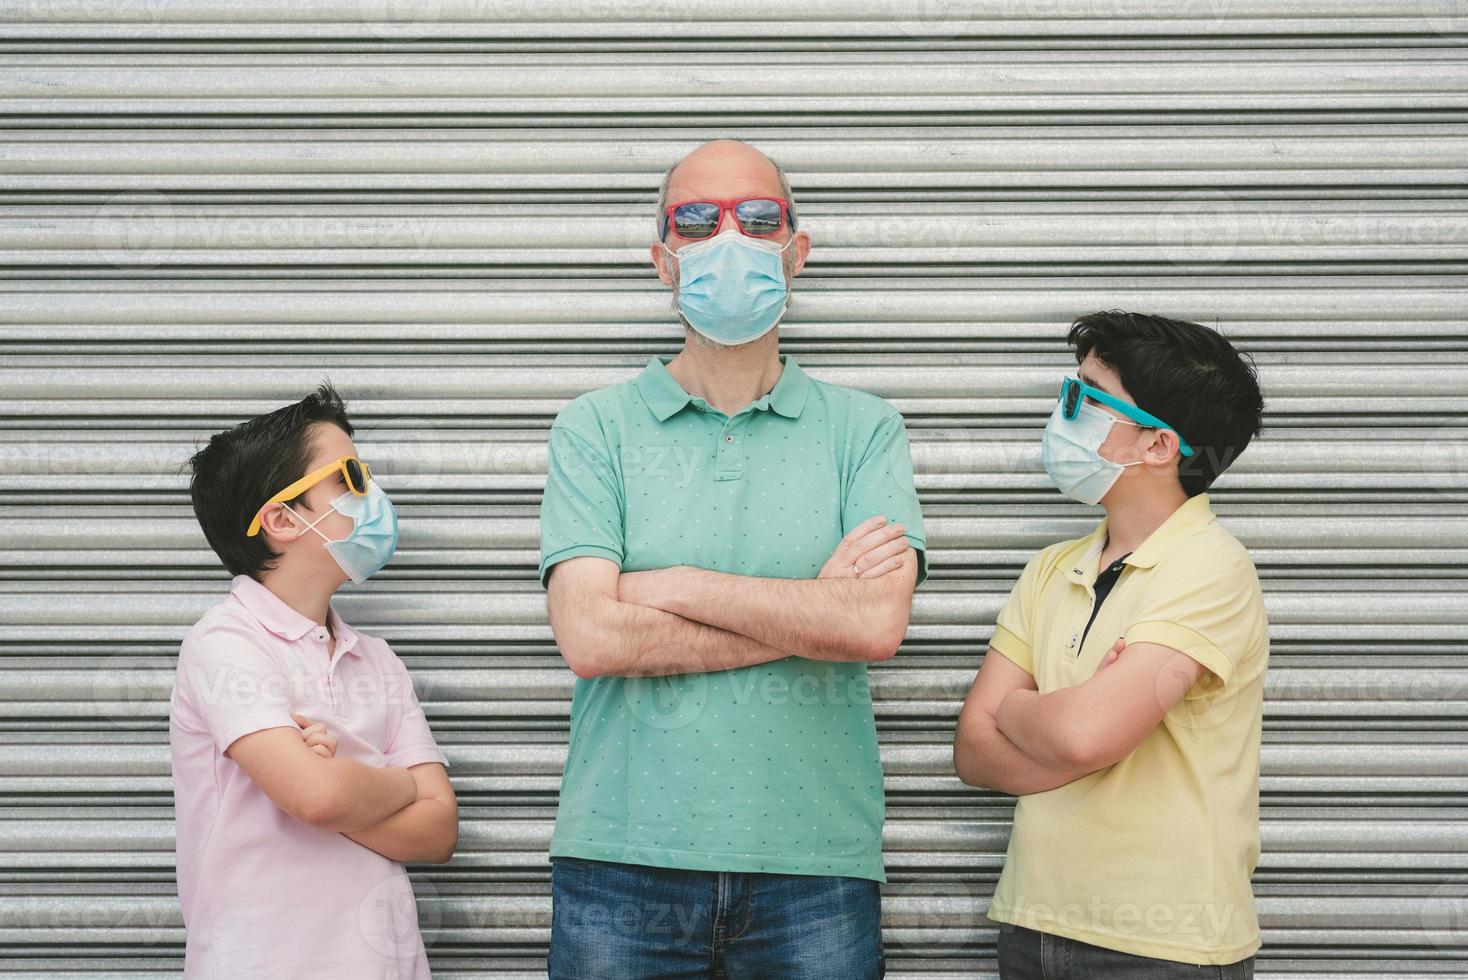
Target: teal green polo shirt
column 772, row 767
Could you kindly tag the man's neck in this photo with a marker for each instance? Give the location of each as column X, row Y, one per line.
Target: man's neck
column 728, row 378
column 1130, row 522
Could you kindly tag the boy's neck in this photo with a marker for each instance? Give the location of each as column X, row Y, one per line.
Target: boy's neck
column 1130, row 522
column 309, row 598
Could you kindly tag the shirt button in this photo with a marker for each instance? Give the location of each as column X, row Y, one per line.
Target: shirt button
column 728, row 438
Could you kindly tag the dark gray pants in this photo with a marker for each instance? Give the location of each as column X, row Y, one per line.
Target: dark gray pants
column 1025, row 954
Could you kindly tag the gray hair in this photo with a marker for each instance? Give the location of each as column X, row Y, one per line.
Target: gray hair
column 668, row 176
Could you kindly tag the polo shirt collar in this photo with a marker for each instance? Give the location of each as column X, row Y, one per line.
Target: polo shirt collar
column 1081, row 568
column 287, row 623
column 1192, row 515
column 666, row 397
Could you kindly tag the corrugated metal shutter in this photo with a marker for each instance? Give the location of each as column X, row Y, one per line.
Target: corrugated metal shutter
column 445, row 207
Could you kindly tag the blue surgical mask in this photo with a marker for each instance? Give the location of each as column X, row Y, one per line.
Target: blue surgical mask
column 732, row 288
column 374, row 537
column 1071, row 453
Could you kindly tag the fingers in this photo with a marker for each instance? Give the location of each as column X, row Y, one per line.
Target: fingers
column 865, row 527
column 317, row 738
column 877, row 536
column 865, row 549
column 880, row 554
column 875, row 539
column 1112, row 655
column 869, row 534
column 888, row 565
column 322, row 743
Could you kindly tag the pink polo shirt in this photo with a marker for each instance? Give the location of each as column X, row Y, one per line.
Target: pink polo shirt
column 263, row 894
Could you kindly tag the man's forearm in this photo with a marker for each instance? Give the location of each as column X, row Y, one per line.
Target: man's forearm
column 633, row 640
column 821, row 618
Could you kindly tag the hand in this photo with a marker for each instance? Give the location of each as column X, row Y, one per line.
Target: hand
column 1111, row 655
column 317, row 738
column 873, row 548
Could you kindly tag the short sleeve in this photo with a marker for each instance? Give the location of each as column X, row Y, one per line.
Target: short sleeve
column 1015, row 626
column 412, row 742
column 581, row 511
column 1205, row 603
column 883, row 484
column 229, row 680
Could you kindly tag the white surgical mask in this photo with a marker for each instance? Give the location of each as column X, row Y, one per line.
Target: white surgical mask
column 1071, row 453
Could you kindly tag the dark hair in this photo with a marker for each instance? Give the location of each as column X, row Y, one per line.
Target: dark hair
column 1185, row 374
column 246, row 465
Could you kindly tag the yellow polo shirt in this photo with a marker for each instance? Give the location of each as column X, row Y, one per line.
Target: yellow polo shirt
column 1152, row 855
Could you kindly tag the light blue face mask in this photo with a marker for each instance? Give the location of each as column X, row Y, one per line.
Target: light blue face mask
column 732, row 287
column 1071, row 453
column 374, row 536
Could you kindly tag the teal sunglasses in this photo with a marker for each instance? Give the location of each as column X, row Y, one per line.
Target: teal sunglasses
column 1073, row 390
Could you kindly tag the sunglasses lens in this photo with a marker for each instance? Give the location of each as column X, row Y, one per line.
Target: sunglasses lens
column 1070, row 398
column 758, row 216
column 695, row 220
column 356, row 478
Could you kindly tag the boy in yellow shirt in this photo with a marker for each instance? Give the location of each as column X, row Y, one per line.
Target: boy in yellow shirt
column 1124, row 708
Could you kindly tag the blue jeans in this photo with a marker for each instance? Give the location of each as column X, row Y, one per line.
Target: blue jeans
column 1025, row 954
column 611, row 921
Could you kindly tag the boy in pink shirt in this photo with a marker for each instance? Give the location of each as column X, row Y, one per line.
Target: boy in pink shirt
column 304, row 772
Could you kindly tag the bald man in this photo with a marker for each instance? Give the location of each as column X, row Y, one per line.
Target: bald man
column 726, row 543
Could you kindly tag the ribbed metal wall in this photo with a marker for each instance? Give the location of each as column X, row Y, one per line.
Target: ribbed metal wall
column 445, row 207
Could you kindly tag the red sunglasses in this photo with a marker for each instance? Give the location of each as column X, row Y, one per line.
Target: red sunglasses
column 758, row 217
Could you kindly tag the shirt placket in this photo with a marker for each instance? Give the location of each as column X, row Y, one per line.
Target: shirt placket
column 730, row 460
column 320, row 634
column 1085, row 576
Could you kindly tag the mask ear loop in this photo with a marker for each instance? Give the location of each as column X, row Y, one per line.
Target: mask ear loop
column 1138, row 425
column 309, row 524
column 1114, row 420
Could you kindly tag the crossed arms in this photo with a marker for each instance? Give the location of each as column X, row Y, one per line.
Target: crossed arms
column 1014, row 739
column 684, row 620
column 406, row 814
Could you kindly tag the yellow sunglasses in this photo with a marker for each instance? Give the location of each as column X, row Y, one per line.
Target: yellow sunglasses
column 352, row 469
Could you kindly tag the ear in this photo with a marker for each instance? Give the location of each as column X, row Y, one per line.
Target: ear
column 1163, row 449
column 660, row 262
column 279, row 525
column 801, row 249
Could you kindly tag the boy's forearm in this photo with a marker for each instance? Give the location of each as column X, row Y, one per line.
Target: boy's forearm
column 984, row 756
column 1039, row 724
column 425, row 830
column 358, row 795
